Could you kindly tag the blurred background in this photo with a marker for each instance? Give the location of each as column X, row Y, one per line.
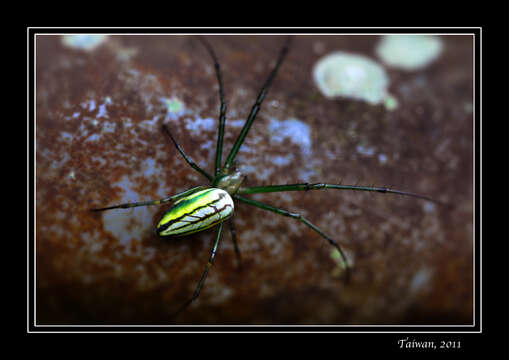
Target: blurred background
column 393, row 111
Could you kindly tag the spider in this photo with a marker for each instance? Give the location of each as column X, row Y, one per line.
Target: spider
column 203, row 207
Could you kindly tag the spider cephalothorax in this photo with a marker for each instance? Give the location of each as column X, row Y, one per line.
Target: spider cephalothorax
column 230, row 181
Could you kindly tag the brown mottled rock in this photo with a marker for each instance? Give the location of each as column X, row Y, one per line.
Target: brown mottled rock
column 99, row 142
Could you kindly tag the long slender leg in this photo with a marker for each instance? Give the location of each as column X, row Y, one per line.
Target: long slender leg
column 188, row 160
column 222, row 106
column 152, row 202
column 204, row 274
column 319, row 186
column 302, row 220
column 256, row 106
column 233, row 232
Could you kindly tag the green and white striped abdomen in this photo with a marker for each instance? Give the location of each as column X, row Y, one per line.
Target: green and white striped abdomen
column 196, row 212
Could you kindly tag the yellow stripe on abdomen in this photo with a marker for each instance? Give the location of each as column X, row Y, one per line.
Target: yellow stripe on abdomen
column 196, row 212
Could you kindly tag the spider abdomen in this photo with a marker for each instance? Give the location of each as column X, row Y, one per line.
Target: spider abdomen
column 196, row 212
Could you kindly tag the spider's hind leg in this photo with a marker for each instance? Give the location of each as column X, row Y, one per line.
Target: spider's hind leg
column 302, row 220
column 235, row 244
column 204, row 274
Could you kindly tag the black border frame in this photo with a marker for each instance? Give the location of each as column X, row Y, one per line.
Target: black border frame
column 428, row 333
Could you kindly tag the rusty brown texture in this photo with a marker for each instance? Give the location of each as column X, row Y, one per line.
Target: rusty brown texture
column 99, row 142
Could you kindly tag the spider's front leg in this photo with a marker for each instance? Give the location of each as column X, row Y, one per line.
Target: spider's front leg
column 151, row 202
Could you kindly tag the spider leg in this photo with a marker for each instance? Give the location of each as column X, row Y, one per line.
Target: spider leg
column 222, row 106
column 320, row 186
column 204, row 274
column 188, row 160
column 233, row 232
column 256, row 106
column 302, row 220
column 152, row 202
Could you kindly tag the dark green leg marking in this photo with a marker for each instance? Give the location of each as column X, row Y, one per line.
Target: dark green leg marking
column 152, row 202
column 302, row 220
column 320, row 186
column 205, row 273
column 222, row 106
column 188, row 160
column 256, row 106
column 233, row 232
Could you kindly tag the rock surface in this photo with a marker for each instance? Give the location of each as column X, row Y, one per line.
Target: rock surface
column 99, row 112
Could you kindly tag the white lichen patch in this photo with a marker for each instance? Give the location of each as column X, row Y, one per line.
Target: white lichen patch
column 275, row 153
column 382, row 158
column 421, row 280
column 208, row 145
column 147, row 86
column 150, row 168
column 92, row 240
column 295, row 130
column 150, row 124
column 92, row 105
column 219, row 294
column 172, row 105
column 128, row 225
column 87, row 42
column 262, row 174
column 122, row 52
column 409, row 52
column 366, row 150
column 428, row 206
column 197, row 125
column 341, row 74
column 391, row 103
column 307, row 172
column 340, row 262
column 64, row 136
column 273, row 244
column 102, row 111
column 93, row 138
column 236, row 123
column 280, row 160
column 59, row 161
column 88, row 105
